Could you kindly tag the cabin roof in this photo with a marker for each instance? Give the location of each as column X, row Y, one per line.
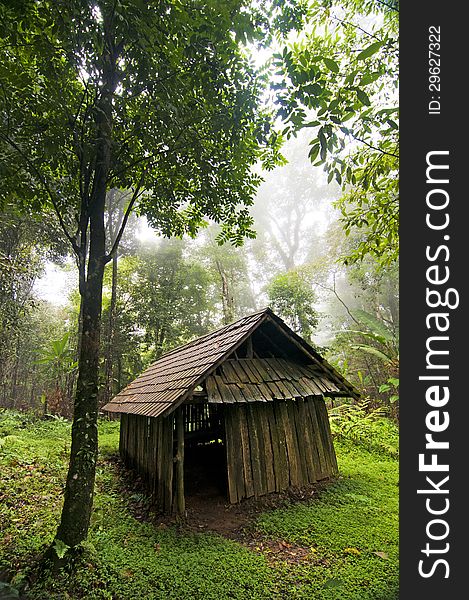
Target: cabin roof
column 299, row 371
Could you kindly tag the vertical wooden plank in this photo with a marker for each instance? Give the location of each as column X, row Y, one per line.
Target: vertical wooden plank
column 231, row 463
column 122, row 434
column 128, row 440
column 292, row 451
column 258, row 473
column 238, row 462
column 139, row 444
column 265, row 445
column 298, row 440
column 328, row 466
column 247, row 469
column 318, row 405
column 131, row 440
column 180, row 500
column 168, row 465
column 304, row 425
column 159, row 464
column 283, row 471
column 317, row 439
column 327, row 436
column 314, row 440
column 272, row 425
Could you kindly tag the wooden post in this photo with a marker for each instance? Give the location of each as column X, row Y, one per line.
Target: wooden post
column 249, row 350
column 180, row 500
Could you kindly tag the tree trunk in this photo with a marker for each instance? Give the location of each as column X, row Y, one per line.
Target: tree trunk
column 79, row 488
column 78, row 501
column 109, row 358
column 226, row 295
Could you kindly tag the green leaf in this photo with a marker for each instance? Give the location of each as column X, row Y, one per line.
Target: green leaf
column 331, row 65
column 60, row 548
column 333, row 583
column 369, row 78
column 363, row 97
column 371, row 350
column 369, row 51
column 314, row 151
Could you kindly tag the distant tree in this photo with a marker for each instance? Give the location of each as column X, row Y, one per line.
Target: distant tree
column 169, row 297
column 290, row 210
column 25, row 244
column 292, row 297
column 57, row 358
column 228, row 269
column 154, row 97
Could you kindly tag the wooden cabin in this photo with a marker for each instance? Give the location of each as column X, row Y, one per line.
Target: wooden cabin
column 245, row 403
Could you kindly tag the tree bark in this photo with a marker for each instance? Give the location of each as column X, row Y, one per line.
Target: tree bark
column 226, row 295
column 109, row 358
column 79, row 488
column 78, row 499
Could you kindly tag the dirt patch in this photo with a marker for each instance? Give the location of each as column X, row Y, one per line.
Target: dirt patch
column 210, row 511
column 207, row 509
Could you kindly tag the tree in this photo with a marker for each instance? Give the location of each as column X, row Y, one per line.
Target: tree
column 57, row 357
column 152, row 97
column 25, row 244
column 227, row 267
column 340, row 79
column 169, row 297
column 288, row 209
column 292, row 297
column 115, row 211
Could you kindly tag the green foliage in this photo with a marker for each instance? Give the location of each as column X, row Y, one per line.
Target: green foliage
column 382, row 339
column 186, row 114
column 340, row 79
column 362, row 424
column 227, row 270
column 292, row 297
column 58, row 356
column 164, row 300
column 375, row 362
column 25, row 244
column 350, row 531
column 60, row 548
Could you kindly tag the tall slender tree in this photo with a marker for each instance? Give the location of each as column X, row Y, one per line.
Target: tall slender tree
column 156, row 97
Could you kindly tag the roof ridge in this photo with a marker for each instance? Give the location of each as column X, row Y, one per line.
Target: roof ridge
column 201, row 338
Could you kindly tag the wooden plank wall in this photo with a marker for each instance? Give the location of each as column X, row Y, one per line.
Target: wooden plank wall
column 274, row 445
column 146, row 445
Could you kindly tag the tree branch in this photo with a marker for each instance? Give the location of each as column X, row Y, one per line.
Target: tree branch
column 46, row 186
column 374, row 147
column 129, row 208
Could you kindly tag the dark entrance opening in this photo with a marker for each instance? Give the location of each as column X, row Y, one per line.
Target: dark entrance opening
column 205, row 469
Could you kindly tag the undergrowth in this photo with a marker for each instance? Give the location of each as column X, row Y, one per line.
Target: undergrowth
column 350, row 530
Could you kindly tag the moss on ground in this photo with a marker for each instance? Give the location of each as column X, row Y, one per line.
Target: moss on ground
column 349, row 532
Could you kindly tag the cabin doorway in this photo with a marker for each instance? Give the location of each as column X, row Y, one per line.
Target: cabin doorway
column 205, row 468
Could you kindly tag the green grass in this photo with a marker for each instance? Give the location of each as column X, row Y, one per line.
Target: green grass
column 126, row 558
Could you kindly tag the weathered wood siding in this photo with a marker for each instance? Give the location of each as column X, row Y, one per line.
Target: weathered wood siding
column 146, row 445
column 274, row 445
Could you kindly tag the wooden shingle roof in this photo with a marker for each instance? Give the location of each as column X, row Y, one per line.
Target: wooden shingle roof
column 174, row 377
column 263, row 379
